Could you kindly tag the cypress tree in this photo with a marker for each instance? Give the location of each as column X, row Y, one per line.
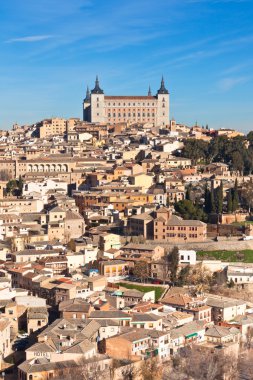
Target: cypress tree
column 207, row 200
column 212, row 201
column 188, row 194
column 173, row 259
column 220, row 198
column 20, row 185
column 229, row 202
column 235, row 197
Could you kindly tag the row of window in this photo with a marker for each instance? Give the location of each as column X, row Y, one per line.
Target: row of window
column 182, row 228
column 131, row 104
column 172, row 235
column 131, row 115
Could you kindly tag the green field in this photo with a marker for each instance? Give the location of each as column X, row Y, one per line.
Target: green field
column 245, row 256
column 158, row 289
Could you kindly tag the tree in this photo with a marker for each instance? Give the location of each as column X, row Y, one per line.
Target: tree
column 188, row 193
column 20, row 185
column 213, row 205
column 84, row 371
column 173, row 261
column 231, row 283
column 233, row 152
column 141, row 270
column 129, row 372
column 188, row 210
column 247, row 195
column 11, row 186
column 197, row 363
column 196, row 150
column 237, row 161
column 235, row 196
column 229, row 202
column 207, row 205
column 151, row 370
column 14, row 187
column 219, row 198
column 250, row 136
column 198, row 276
column 184, row 275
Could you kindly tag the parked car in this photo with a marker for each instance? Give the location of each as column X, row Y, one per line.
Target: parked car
column 246, row 238
column 156, row 281
column 23, row 336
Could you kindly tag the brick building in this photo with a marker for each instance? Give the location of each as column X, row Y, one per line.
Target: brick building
column 161, row 225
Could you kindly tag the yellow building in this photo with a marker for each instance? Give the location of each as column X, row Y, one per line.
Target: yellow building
column 52, row 127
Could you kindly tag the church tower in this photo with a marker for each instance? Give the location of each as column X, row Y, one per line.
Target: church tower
column 163, row 99
column 86, row 106
column 97, row 102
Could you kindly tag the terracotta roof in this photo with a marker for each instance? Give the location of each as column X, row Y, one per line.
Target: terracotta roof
column 219, row 331
column 177, row 299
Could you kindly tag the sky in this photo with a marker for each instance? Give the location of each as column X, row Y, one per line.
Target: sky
column 50, row 50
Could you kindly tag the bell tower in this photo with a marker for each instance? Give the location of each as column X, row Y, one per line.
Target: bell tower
column 97, row 104
column 86, row 106
column 163, row 98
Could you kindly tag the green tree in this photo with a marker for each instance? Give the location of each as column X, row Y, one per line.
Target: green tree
column 188, row 193
column 207, row 205
column 219, row 198
column 229, row 201
column 196, row 150
column 11, row 186
column 188, row 210
column 250, row 136
column 212, row 200
column 173, row 261
column 20, row 185
column 235, row 197
column 237, row 161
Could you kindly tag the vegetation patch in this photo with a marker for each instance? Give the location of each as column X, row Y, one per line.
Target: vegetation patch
column 245, row 256
column 158, row 289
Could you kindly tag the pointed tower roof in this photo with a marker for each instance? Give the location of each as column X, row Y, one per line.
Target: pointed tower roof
column 149, row 91
column 162, row 89
column 97, row 89
column 87, row 97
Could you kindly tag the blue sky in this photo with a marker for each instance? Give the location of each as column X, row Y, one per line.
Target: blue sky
column 51, row 49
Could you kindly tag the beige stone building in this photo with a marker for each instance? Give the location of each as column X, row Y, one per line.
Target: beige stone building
column 52, row 127
column 150, row 109
column 59, row 167
column 37, row 317
column 5, row 335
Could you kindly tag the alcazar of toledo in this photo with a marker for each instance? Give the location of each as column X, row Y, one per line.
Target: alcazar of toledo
column 100, row 108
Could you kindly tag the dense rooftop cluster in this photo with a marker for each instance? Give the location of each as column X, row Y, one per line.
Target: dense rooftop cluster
column 101, row 228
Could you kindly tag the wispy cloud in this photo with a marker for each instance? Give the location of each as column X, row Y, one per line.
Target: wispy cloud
column 227, row 84
column 29, row 38
column 239, row 67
